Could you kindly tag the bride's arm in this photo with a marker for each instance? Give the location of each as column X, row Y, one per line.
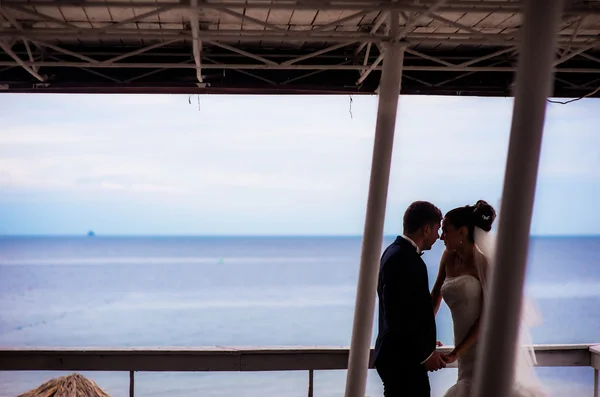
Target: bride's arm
column 469, row 339
column 436, row 291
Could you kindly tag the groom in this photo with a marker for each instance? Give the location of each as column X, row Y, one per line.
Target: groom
column 406, row 344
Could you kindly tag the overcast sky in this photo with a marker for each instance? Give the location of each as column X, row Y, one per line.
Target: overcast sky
column 270, row 165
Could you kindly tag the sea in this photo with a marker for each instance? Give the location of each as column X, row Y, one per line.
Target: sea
column 246, row 291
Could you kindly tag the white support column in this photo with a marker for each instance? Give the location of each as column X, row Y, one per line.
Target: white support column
column 364, row 311
column 495, row 374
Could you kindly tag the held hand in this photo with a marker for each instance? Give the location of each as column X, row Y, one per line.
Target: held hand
column 435, row 362
column 450, row 358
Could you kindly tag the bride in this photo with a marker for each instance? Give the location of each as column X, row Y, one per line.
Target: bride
column 462, row 282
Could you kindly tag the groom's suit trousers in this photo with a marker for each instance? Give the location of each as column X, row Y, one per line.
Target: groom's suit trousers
column 404, row 382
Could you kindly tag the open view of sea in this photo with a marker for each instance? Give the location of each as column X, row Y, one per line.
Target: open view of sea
column 246, row 291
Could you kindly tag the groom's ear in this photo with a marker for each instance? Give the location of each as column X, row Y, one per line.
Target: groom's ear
column 426, row 229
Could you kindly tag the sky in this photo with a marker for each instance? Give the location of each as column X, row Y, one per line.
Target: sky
column 272, row 165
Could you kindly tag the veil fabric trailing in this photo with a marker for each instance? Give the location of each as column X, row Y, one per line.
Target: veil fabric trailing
column 525, row 377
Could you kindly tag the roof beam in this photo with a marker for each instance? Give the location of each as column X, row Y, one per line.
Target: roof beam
column 276, row 66
column 135, row 18
column 565, row 82
column 590, row 57
column 20, row 28
column 461, row 26
column 441, row 83
column 91, row 71
column 140, row 51
column 255, row 76
column 29, row 52
column 246, row 73
column 594, row 82
column 214, row 37
column 366, row 5
column 20, row 62
column 37, row 14
column 16, row 65
column 153, row 72
column 32, row 70
column 378, row 22
column 8, row 16
column 242, row 52
column 316, row 53
column 428, row 57
column 575, row 33
column 243, row 17
column 405, row 76
column 181, row 52
column 366, row 58
column 63, row 50
column 303, row 76
column 412, row 22
column 489, row 56
column 573, row 54
column 340, row 21
column 167, row 34
column 254, row 35
column 374, row 66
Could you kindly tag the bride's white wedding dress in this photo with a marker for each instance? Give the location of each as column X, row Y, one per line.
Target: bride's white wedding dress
column 464, row 296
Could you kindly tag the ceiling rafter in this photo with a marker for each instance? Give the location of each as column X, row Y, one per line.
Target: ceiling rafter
column 573, row 8
column 447, row 41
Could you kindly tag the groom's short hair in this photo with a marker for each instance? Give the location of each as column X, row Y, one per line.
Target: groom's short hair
column 419, row 214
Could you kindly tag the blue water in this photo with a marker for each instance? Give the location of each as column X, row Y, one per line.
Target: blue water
column 201, row 291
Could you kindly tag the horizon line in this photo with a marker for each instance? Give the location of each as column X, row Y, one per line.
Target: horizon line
column 249, row 235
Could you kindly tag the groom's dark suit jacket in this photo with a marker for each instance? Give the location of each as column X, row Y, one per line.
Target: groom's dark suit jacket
column 407, row 333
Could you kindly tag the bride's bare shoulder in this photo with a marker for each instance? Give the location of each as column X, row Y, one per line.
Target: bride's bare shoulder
column 447, row 261
column 448, row 257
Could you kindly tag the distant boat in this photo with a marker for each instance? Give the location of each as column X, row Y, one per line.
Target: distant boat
column 91, row 234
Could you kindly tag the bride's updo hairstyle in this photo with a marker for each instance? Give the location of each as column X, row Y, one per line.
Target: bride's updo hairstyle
column 481, row 215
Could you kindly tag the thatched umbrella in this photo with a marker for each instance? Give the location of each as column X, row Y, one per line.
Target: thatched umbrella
column 74, row 385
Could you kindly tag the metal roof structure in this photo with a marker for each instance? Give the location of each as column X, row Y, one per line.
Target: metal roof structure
column 462, row 47
column 453, row 47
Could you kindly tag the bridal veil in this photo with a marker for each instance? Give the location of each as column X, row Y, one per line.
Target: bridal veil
column 525, row 377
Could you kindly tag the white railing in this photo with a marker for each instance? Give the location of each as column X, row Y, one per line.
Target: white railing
column 232, row 359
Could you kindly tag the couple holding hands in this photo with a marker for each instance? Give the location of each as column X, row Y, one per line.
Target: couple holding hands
column 405, row 350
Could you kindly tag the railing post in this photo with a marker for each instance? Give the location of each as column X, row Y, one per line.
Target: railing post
column 364, row 311
column 311, row 374
column 131, row 383
column 495, row 374
column 595, row 383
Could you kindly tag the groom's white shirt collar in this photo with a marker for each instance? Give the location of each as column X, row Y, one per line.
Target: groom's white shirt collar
column 418, row 252
column 412, row 242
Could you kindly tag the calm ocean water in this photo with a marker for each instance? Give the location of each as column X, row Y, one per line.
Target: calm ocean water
column 186, row 291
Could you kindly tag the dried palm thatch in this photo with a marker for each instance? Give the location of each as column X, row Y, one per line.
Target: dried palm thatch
column 74, row 385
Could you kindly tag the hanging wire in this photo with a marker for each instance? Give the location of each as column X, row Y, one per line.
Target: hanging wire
column 197, row 97
column 575, row 99
column 350, row 106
